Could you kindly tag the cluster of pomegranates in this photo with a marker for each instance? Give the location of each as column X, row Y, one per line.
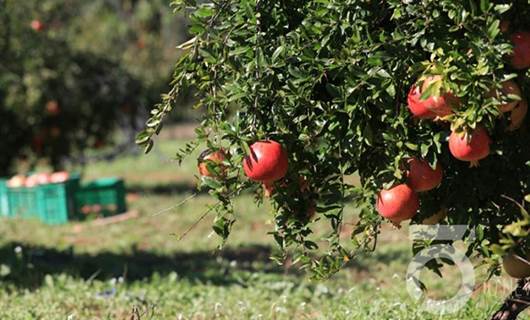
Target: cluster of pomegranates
column 36, row 179
column 401, row 202
column 267, row 163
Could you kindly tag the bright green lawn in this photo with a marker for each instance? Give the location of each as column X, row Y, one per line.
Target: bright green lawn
column 139, row 270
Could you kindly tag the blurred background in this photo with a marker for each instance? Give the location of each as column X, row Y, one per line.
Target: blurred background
column 90, row 228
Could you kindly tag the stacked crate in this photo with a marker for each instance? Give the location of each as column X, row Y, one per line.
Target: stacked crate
column 58, row 203
column 52, row 203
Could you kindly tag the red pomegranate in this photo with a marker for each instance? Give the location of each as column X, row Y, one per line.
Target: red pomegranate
column 37, row 25
column 52, row 107
column 520, row 58
column 417, row 107
column 441, row 105
column 398, row 203
column 216, row 157
column 267, row 161
column 472, row 146
column 508, row 88
column 421, row 177
column 59, row 177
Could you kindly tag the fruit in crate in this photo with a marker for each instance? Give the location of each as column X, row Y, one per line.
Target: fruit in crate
column 43, row 178
column 31, row 181
column 59, row 177
column 17, row 181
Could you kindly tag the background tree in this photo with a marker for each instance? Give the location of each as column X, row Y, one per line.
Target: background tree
column 72, row 71
column 330, row 80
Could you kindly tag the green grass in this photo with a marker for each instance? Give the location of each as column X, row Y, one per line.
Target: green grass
column 138, row 269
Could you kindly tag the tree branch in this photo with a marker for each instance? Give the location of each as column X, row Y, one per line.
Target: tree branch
column 516, row 303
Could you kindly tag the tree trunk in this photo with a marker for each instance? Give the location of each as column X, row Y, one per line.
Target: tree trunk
column 516, row 303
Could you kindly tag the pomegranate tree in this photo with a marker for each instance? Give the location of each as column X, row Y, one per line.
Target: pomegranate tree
column 360, row 88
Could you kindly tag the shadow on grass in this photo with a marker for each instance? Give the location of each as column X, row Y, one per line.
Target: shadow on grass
column 28, row 265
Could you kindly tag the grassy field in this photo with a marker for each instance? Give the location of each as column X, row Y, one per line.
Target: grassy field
column 138, row 269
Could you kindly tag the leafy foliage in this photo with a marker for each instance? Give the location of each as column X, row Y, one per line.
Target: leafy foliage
column 329, row 80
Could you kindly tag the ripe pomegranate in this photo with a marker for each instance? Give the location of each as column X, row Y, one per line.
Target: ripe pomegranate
column 267, row 161
column 86, row 209
column 518, row 115
column 520, row 58
column 216, row 157
column 421, row 177
column 508, row 87
column 43, row 178
column 52, row 107
column 17, row 181
column 441, row 105
column 472, row 146
column 31, row 182
column 516, row 266
column 59, row 177
column 398, row 203
column 418, row 107
column 37, row 25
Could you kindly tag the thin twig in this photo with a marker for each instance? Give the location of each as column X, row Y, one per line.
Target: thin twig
column 195, row 223
column 175, row 206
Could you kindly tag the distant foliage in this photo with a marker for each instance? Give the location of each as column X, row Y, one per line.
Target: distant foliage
column 329, row 79
column 55, row 100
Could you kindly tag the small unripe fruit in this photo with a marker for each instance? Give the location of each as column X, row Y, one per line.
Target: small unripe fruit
column 216, row 157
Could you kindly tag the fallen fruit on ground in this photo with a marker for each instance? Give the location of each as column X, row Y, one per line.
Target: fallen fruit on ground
column 216, row 157
column 516, row 266
column 421, row 177
column 398, row 203
column 470, row 146
column 267, row 161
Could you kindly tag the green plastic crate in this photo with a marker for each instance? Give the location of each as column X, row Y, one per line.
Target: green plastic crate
column 57, row 201
column 23, row 202
column 4, row 202
column 108, row 194
column 52, row 203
